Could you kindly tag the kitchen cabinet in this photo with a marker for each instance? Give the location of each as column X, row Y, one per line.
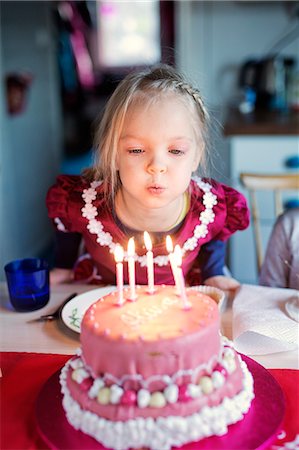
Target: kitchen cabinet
column 260, row 144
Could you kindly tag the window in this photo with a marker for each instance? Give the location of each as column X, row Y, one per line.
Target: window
column 128, row 33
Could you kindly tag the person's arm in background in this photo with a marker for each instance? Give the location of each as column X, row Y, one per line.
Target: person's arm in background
column 280, row 267
column 65, row 255
column 213, row 268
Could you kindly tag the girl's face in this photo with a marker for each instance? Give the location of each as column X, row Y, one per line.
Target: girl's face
column 157, row 152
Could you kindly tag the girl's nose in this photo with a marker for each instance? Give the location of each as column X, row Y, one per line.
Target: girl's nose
column 156, row 165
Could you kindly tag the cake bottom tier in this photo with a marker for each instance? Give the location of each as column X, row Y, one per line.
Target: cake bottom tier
column 162, row 431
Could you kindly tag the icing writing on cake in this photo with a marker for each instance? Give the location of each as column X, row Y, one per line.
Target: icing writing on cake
column 140, row 317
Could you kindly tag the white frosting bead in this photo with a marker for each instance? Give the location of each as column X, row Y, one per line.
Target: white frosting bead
column 115, row 394
column 206, row 384
column 76, row 363
column 157, row 400
column 171, row 393
column 194, row 390
column 166, row 379
column 228, row 353
column 143, row 398
column 97, row 385
column 207, row 413
column 104, row 396
column 79, row 375
column 229, row 364
column 218, row 379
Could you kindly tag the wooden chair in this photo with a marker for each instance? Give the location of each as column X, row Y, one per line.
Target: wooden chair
column 255, row 182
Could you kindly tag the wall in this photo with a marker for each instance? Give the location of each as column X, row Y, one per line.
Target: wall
column 214, row 38
column 31, row 142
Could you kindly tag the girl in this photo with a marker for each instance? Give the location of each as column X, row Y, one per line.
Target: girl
column 149, row 144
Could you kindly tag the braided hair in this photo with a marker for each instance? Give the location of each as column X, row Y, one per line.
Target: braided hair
column 148, row 85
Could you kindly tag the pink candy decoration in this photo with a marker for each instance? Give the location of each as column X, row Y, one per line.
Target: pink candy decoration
column 86, row 384
column 128, row 398
column 183, row 394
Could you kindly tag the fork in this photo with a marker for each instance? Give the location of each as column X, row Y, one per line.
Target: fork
column 55, row 314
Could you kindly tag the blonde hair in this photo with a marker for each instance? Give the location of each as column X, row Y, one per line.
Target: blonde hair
column 161, row 79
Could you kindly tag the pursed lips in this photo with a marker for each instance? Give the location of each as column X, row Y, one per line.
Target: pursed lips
column 156, row 189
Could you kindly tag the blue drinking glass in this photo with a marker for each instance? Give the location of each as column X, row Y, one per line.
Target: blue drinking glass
column 28, row 283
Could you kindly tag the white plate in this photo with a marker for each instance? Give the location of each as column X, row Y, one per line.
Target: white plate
column 292, row 307
column 73, row 312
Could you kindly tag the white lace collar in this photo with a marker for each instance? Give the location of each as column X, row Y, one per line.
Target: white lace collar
column 104, row 238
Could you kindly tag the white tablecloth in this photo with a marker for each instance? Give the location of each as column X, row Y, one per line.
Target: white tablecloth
column 17, row 335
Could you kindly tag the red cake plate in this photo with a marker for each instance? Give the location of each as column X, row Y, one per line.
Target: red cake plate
column 257, row 430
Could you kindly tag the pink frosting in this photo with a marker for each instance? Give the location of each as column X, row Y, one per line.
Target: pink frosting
column 153, row 335
column 232, row 386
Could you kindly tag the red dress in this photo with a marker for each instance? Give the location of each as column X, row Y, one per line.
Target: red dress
column 216, row 211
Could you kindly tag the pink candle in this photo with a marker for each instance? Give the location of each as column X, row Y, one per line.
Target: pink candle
column 119, row 256
column 172, row 259
column 150, row 263
column 131, row 268
column 183, row 294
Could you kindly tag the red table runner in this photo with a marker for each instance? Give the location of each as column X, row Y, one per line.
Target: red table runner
column 23, row 375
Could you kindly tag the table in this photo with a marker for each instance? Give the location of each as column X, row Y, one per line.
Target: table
column 17, row 335
column 32, row 352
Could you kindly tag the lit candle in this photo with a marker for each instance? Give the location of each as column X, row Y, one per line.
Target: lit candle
column 131, row 268
column 172, row 259
column 178, row 260
column 119, row 256
column 150, row 262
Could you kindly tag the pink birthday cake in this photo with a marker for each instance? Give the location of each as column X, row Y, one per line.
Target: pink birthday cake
column 153, row 374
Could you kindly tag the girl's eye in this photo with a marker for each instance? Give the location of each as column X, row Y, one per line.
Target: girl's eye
column 135, row 150
column 175, row 151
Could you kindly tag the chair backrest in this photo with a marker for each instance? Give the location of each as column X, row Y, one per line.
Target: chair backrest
column 255, row 182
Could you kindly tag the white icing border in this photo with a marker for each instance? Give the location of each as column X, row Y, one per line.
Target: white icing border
column 164, row 432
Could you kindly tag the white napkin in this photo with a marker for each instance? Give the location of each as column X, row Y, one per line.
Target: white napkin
column 261, row 324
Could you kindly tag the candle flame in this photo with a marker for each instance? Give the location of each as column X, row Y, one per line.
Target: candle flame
column 178, row 255
column 169, row 244
column 118, row 253
column 147, row 241
column 131, row 247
